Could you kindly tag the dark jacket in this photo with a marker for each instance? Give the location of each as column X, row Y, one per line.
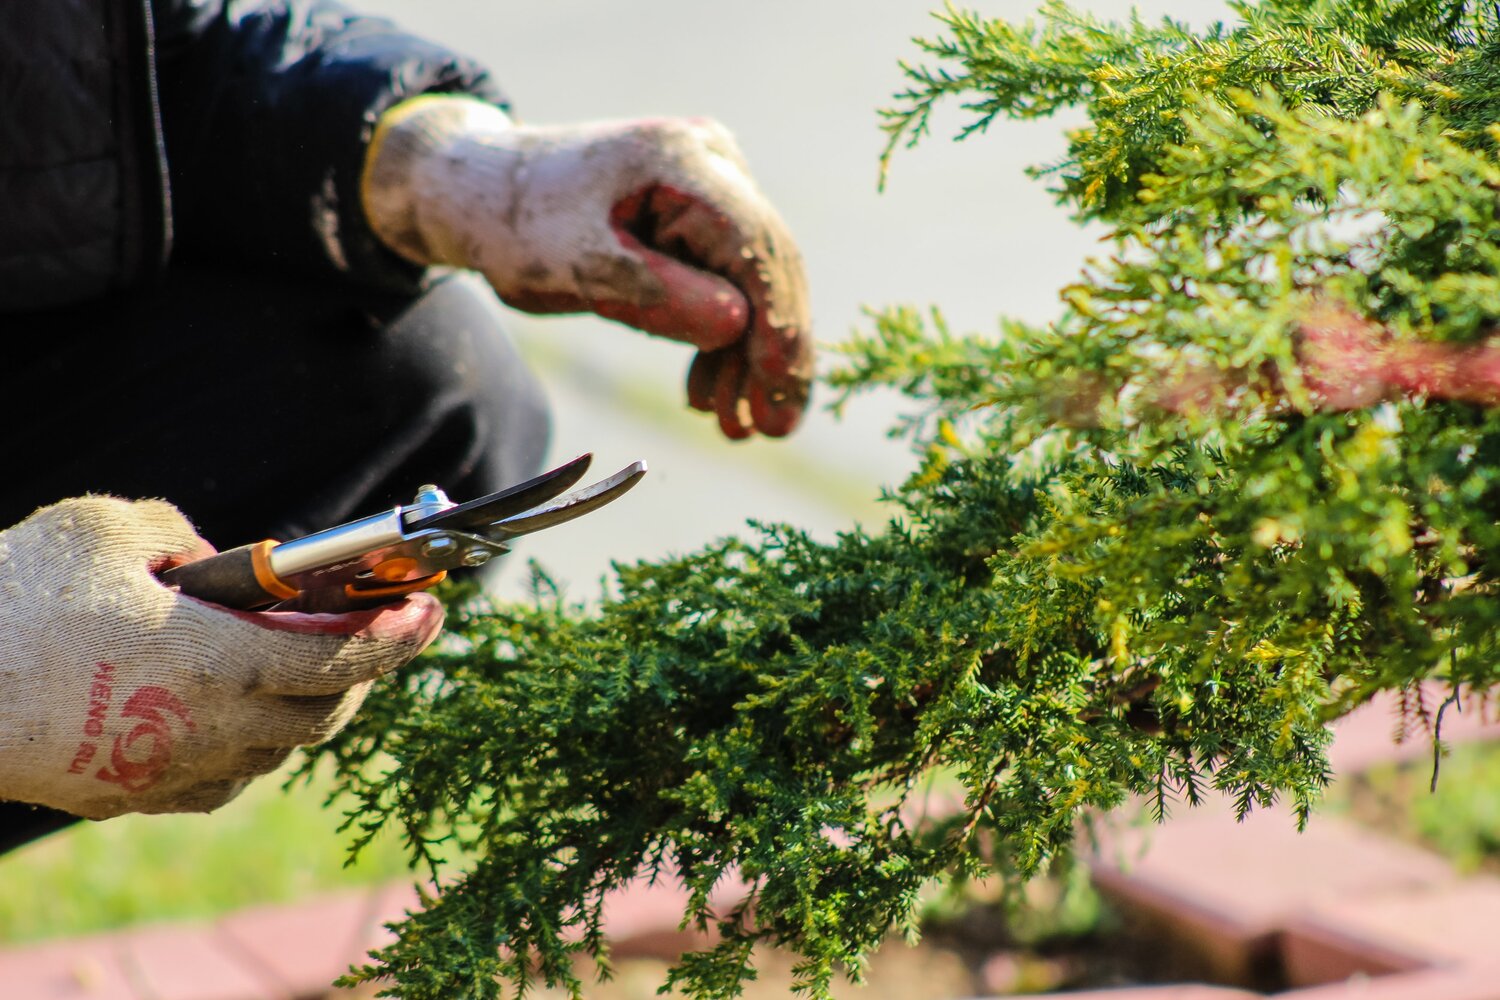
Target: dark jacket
column 133, row 132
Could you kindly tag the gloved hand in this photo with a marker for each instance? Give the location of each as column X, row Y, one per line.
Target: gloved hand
column 653, row 223
column 119, row 695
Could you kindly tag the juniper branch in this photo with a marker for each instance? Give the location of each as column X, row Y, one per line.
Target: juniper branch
column 1168, row 599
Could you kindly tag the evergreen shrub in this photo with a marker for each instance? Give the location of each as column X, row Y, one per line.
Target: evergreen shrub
column 1245, row 481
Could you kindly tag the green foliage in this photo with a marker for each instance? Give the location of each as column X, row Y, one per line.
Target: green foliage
column 1141, row 555
column 1334, row 57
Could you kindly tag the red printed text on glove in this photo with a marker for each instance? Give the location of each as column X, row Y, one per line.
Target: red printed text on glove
column 139, row 757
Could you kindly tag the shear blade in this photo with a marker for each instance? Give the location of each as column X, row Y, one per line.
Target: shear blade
column 477, row 515
column 570, row 505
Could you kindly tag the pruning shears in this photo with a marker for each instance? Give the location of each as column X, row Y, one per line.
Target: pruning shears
column 408, row 548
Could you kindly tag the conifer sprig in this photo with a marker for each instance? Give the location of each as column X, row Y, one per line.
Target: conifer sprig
column 1135, row 79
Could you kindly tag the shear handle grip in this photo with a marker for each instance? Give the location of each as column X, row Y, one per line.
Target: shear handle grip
column 239, row 578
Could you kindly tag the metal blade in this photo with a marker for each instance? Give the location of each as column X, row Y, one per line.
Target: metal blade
column 478, row 515
column 570, row 505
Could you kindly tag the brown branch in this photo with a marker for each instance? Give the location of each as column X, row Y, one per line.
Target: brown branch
column 980, row 806
column 1345, row 361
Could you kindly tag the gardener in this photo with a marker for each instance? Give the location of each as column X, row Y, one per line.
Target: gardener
column 213, row 271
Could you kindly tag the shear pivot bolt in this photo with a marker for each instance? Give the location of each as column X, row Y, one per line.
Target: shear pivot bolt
column 476, row 557
column 439, row 547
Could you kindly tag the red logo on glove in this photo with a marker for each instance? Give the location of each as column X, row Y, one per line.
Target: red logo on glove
column 139, row 770
column 131, row 771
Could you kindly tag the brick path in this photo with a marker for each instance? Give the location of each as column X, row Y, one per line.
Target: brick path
column 1338, row 911
column 264, row 953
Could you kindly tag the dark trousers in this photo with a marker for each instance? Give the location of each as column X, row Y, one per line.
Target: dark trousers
column 263, row 407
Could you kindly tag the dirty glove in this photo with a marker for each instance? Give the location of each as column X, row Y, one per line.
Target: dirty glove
column 119, row 695
column 654, row 223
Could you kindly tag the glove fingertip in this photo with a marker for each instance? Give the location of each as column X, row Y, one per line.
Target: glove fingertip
column 730, row 401
column 733, row 426
column 702, row 379
column 773, row 419
column 403, row 631
column 780, row 353
column 419, row 619
column 323, row 653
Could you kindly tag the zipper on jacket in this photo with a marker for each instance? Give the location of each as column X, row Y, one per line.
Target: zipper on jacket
column 146, row 204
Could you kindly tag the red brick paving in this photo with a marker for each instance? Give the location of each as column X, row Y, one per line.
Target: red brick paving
column 1318, row 951
column 1337, row 905
column 1229, row 887
column 1184, row 991
column 78, row 969
column 305, row 947
column 388, row 905
column 160, row 962
column 166, row 962
column 1477, row 981
column 1444, row 925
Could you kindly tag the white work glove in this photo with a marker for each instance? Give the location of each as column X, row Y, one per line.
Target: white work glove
column 120, row 695
column 654, row 223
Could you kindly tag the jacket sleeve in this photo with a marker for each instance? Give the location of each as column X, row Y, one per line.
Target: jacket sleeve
column 267, row 108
